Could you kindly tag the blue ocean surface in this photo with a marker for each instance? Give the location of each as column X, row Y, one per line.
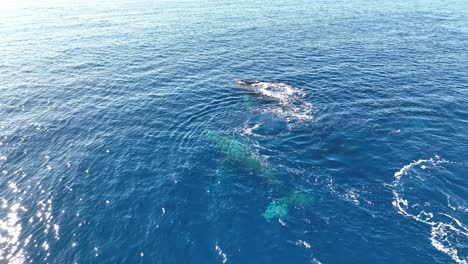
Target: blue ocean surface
column 130, row 131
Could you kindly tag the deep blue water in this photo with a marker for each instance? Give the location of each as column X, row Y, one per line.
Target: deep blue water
column 105, row 107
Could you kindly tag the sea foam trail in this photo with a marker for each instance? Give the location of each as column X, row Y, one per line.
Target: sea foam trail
column 290, row 104
column 446, row 230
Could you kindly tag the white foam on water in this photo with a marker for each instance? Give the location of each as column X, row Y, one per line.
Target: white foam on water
column 315, row 261
column 352, row 196
column 303, row 243
column 283, row 92
column 221, row 253
column 445, row 229
column 290, row 101
column 248, row 131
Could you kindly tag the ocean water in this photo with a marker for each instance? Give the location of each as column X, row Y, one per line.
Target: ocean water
column 124, row 137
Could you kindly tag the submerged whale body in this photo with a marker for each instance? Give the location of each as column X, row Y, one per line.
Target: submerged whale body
column 279, row 208
column 239, row 154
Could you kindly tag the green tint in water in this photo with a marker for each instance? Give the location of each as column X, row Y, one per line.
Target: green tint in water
column 247, row 102
column 279, row 208
column 302, row 199
column 239, row 154
column 276, row 209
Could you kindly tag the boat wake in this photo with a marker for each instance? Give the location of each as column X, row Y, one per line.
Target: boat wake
column 428, row 191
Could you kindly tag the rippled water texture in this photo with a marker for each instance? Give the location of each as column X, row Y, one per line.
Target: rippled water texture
column 125, row 138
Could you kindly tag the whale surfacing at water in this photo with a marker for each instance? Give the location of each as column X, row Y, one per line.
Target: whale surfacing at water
column 252, row 88
column 245, row 82
column 286, row 100
column 281, row 92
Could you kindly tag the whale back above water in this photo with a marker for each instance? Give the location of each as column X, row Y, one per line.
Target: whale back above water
column 281, row 92
column 286, row 101
column 246, row 82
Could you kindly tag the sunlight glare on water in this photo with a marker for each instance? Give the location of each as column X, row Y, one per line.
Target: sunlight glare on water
column 233, row 132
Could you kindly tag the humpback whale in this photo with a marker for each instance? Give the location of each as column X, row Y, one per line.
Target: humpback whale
column 279, row 208
column 245, row 82
column 239, row 154
column 287, row 101
column 281, row 92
